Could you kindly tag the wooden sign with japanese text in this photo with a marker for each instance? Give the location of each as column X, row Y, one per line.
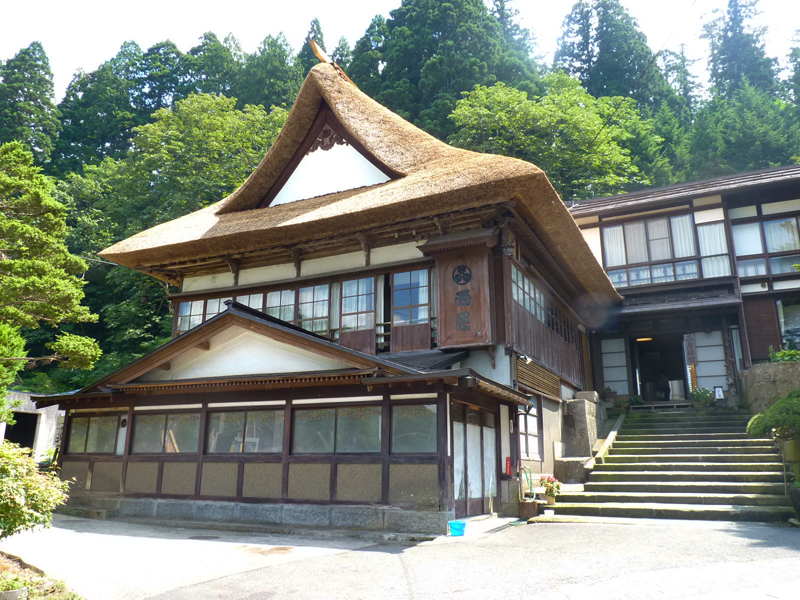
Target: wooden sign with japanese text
column 464, row 317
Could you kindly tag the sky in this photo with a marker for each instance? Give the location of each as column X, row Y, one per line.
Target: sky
column 82, row 34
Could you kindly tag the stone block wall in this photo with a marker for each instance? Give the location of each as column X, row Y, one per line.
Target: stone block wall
column 763, row 384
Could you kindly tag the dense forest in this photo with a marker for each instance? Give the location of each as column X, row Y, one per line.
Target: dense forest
column 154, row 134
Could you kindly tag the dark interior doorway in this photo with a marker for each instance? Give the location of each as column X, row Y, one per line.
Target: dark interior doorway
column 660, row 367
column 23, row 432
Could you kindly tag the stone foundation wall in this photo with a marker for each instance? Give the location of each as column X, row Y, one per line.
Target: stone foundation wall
column 372, row 518
column 763, row 384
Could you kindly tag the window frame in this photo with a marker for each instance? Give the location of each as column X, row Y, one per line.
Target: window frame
column 525, row 411
column 90, row 416
column 245, row 411
column 335, row 407
column 765, row 255
column 410, row 307
column 166, row 415
column 343, row 314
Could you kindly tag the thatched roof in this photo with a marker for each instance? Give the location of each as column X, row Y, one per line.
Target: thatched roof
column 434, row 178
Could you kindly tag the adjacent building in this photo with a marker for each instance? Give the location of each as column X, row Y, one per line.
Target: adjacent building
column 706, row 271
column 375, row 330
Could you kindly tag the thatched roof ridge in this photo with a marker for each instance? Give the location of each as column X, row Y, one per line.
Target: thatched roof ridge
column 434, row 178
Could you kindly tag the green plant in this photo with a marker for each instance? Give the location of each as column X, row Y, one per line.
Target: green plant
column 784, row 355
column 636, row 400
column 551, row 485
column 703, row 396
column 27, row 496
column 781, row 420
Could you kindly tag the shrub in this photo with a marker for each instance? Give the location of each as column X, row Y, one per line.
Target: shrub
column 636, row 400
column 27, row 496
column 781, row 420
column 784, row 355
column 703, row 396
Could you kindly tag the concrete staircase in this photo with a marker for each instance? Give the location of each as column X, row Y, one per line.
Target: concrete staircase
column 685, row 464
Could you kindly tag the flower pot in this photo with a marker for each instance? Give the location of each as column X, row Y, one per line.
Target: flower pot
column 551, row 499
column 528, row 509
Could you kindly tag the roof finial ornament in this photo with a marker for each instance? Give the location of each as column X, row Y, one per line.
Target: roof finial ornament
column 324, row 58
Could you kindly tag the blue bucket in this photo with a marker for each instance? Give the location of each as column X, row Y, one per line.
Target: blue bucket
column 457, row 528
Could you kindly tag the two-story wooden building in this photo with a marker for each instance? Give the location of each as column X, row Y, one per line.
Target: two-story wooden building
column 706, row 271
column 374, row 330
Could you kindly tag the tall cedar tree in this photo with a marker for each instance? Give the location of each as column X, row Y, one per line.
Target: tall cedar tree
column 38, row 282
column 516, row 64
column 27, row 110
column 211, row 67
column 602, row 45
column 271, row 76
column 306, row 57
column 737, row 51
column 367, row 61
column 342, row 54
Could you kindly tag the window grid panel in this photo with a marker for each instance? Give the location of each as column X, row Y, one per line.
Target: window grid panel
column 280, row 304
column 358, row 304
column 313, row 308
column 533, row 300
column 410, row 298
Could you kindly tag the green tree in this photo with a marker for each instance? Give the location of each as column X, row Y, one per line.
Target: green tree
column 212, row 67
column 270, row 76
column 27, row 110
column 737, row 51
column 306, row 58
column 560, row 132
column 38, row 282
column 367, row 61
column 602, row 45
column 28, row 496
column 98, row 113
column 342, row 54
column 156, row 82
column 516, row 64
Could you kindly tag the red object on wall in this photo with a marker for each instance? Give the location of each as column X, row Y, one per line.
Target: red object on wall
column 508, row 465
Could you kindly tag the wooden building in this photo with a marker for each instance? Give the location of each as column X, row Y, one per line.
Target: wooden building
column 375, row 330
column 706, row 272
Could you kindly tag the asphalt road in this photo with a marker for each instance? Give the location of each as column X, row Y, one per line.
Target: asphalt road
column 646, row 560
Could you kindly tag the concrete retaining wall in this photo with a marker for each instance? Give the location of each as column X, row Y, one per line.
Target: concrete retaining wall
column 763, row 384
column 302, row 515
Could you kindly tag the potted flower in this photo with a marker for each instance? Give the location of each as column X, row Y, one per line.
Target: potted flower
column 552, row 488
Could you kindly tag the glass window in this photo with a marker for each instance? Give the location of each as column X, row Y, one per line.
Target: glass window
column 529, row 432
column 683, row 236
column 313, row 430
column 77, row 435
column 358, row 429
column 148, row 433
column 410, row 298
column 225, row 432
column 747, row 239
column 783, row 264
column 414, row 428
column 190, row 314
column 789, row 318
column 663, row 273
column 255, row 301
column 712, row 239
column 686, row 270
column 281, row 305
column 636, row 243
column 717, row 266
column 658, row 234
column 264, row 431
column 781, row 235
column 358, row 304
column 313, row 307
column 639, row 275
column 214, row 306
column 614, row 246
column 619, row 278
column 751, row 268
column 183, row 432
column 102, row 436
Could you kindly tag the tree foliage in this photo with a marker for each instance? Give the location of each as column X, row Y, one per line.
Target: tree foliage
column 306, row 58
column 27, row 109
column 28, row 496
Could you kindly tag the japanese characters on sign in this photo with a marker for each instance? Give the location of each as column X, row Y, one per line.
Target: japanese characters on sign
column 462, row 275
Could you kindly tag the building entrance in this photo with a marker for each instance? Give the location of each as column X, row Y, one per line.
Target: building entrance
column 659, row 368
column 23, row 431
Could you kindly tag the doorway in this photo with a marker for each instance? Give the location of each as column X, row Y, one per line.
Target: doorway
column 475, row 468
column 660, row 368
column 23, row 432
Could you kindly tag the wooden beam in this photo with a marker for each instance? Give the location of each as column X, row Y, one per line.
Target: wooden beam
column 163, row 367
column 204, row 345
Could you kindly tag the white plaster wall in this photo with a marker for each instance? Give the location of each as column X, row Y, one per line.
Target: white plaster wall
column 752, row 288
column 592, row 237
column 707, row 200
column 481, row 362
column 396, row 253
column 207, row 282
column 774, row 208
column 709, row 216
column 267, row 274
column 328, row 171
column 237, row 351
column 330, row 264
column 786, row 285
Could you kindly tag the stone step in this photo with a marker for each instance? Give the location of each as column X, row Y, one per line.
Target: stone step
column 720, row 458
column 641, row 476
column 693, row 443
column 684, row 421
column 676, row 498
column 688, row 414
column 654, row 510
column 642, row 450
column 651, row 437
column 774, row 467
column 88, row 513
column 681, row 430
column 686, row 487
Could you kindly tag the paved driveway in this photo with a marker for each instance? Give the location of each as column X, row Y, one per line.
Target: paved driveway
column 647, row 560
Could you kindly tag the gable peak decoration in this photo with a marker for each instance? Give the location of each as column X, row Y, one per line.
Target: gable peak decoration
column 327, row 138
